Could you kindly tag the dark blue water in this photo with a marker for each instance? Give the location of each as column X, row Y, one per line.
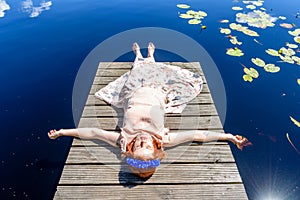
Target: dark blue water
column 40, row 58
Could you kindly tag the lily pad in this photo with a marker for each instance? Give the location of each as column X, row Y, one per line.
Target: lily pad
column 186, row 16
column 252, row 7
column 201, row 13
column 272, row 52
column 237, row 8
column 295, row 33
column 287, row 59
column 293, row 46
column 224, row 21
column 298, row 81
column 282, row 17
column 234, row 52
column 297, row 39
column 248, row 78
column 184, row 6
column 259, row 62
column 234, row 41
column 194, row 21
column 251, row 72
column 250, row 32
column 225, row 30
column 271, row 68
column 286, row 25
column 296, row 58
column 263, row 9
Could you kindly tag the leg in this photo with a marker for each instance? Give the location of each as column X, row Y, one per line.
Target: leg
column 137, row 52
column 151, row 49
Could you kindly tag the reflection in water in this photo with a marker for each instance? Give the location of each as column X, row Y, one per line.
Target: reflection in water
column 3, row 7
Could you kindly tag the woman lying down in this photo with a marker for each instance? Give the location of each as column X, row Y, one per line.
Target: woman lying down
column 146, row 93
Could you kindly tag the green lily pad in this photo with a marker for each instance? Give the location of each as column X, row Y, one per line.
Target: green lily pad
column 250, row 32
column 272, row 52
column 234, row 52
column 252, row 7
column 259, row 62
column 194, row 21
column 248, row 78
column 186, row 16
column 251, row 72
column 287, row 59
column 271, row 68
column 293, row 46
column 237, row 8
column 297, row 39
column 234, row 41
column 184, row 6
column 225, row 30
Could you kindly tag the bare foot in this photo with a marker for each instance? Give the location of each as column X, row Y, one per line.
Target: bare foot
column 151, row 49
column 53, row 134
column 241, row 142
column 136, row 50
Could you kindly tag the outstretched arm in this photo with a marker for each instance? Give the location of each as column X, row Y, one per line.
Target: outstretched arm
column 87, row 133
column 176, row 138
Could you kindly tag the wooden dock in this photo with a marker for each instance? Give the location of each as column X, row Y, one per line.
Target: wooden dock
column 94, row 169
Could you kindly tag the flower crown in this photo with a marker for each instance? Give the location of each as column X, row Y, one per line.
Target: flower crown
column 142, row 164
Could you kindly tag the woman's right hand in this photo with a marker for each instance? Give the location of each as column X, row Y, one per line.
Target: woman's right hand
column 53, row 134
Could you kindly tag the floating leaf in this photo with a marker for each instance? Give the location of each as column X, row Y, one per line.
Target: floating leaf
column 225, row 30
column 282, row 17
column 286, row 25
column 186, row 16
column 184, row 6
column 263, row 9
column 259, row 62
column 224, row 21
column 202, row 13
column 298, row 81
column 247, row 77
column 234, row 52
column 297, row 39
column 234, row 41
column 271, row 68
column 293, row 46
column 191, row 12
column 194, row 21
column 237, row 8
column 295, row 33
column 287, row 52
column 295, row 121
column 287, row 59
column 252, row 7
column 296, row 58
column 251, row 72
column 250, row 32
column 272, row 52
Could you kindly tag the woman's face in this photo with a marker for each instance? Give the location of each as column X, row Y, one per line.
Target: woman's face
column 143, row 146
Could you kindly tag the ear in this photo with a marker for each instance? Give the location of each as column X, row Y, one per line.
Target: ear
column 129, row 147
column 157, row 144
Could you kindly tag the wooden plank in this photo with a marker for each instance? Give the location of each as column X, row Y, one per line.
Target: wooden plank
column 180, row 154
column 203, row 98
column 187, row 123
column 165, row 174
column 154, row 192
column 190, row 110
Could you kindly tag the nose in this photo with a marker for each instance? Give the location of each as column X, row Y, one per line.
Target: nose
column 142, row 143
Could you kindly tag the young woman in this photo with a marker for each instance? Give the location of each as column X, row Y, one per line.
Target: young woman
column 146, row 93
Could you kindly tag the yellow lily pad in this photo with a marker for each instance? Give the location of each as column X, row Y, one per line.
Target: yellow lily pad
column 282, row 17
column 184, row 6
column 248, row 78
column 234, row 52
column 295, row 32
column 298, row 81
column 272, row 52
column 194, row 21
column 259, row 62
column 263, row 9
column 271, row 68
column 237, row 8
column 250, row 32
column 251, row 72
column 295, row 121
column 296, row 58
column 287, row 59
column 293, row 46
column 234, row 41
column 225, row 30
column 297, row 39
column 186, row 16
column 252, row 7
column 286, row 25
column 201, row 13
column 224, row 21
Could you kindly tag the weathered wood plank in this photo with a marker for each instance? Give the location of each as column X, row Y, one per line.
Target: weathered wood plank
column 188, row 123
column 180, row 154
column 165, row 174
column 195, row 110
column 154, row 192
column 203, row 98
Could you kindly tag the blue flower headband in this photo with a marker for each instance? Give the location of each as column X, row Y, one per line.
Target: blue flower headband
column 142, row 164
